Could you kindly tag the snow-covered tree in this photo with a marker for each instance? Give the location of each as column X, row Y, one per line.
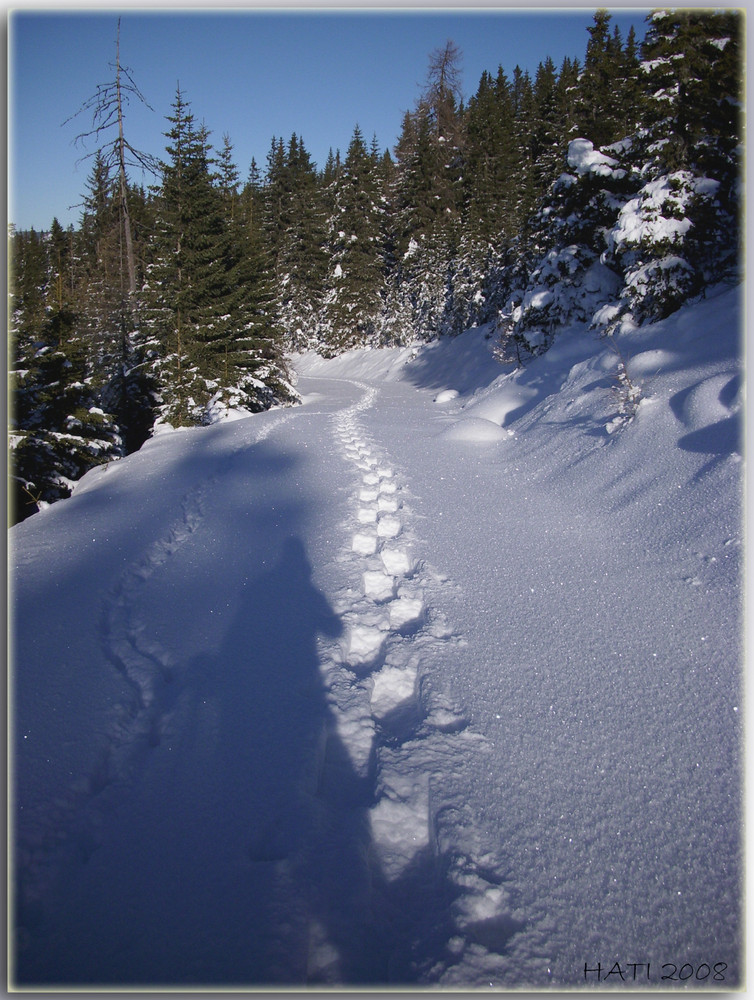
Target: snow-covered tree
column 57, row 429
column 208, row 309
column 356, row 277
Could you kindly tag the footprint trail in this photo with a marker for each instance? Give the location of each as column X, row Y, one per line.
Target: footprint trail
column 402, row 732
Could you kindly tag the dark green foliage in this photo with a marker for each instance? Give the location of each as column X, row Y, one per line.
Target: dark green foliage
column 357, row 270
column 295, row 229
column 57, row 430
column 208, row 300
column 693, row 66
column 595, row 193
column 491, row 158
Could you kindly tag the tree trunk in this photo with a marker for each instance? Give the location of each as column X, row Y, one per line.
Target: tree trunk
column 131, row 267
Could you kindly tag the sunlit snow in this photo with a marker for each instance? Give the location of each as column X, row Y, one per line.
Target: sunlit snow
column 434, row 680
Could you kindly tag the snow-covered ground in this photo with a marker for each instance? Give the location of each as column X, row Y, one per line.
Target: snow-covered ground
column 433, row 680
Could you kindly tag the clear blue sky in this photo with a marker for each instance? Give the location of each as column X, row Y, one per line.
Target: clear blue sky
column 251, row 73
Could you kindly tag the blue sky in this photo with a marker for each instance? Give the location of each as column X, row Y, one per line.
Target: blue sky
column 251, row 74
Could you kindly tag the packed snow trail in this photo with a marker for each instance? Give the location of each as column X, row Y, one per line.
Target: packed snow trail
column 261, row 793
column 433, row 680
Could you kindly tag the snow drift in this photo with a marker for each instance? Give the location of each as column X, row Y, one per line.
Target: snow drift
column 433, row 680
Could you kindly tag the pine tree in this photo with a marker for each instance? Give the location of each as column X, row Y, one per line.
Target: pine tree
column 429, row 191
column 254, row 373
column 681, row 231
column 295, row 227
column 566, row 100
column 208, row 302
column 489, row 158
column 57, row 429
column 609, row 87
column 524, row 181
column 546, row 128
column 356, row 279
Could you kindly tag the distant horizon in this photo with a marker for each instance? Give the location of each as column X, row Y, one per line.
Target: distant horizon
column 251, row 74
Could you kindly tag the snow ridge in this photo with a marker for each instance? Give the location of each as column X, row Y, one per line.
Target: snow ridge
column 152, row 692
column 404, row 736
column 127, row 640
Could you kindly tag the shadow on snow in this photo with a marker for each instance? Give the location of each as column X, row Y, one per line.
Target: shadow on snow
column 242, row 852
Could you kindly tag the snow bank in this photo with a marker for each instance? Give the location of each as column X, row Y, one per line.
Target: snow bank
column 478, row 736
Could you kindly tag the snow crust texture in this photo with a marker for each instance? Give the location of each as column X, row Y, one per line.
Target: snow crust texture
column 433, row 681
column 401, row 734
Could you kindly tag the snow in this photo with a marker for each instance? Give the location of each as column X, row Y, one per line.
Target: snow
column 432, row 681
column 585, row 159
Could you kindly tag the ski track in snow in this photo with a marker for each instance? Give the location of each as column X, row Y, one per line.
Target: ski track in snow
column 434, row 889
column 148, row 668
column 403, row 734
column 72, row 825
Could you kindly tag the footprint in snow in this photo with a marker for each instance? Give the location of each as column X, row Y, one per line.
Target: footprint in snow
column 379, row 586
column 393, row 688
column 363, row 544
column 365, row 646
column 389, row 527
column 381, row 714
column 386, row 504
column 396, row 562
column 406, row 614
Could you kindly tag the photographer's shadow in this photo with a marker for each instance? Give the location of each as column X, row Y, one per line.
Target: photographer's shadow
column 295, row 809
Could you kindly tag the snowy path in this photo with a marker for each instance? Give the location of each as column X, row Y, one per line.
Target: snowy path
column 401, row 730
column 421, row 682
column 341, row 839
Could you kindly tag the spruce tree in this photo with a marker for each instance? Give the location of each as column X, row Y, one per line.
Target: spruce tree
column 295, row 227
column 681, row 231
column 356, row 278
column 57, row 429
column 207, row 303
column 546, row 135
column 489, row 158
column 608, row 96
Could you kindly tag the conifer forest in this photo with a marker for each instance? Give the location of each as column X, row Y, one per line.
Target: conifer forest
column 604, row 191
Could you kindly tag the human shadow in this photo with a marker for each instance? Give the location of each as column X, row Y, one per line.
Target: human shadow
column 314, row 906
column 243, row 856
column 294, row 809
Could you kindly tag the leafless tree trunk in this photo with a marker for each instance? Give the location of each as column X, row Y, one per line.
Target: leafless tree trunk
column 122, row 182
column 108, row 112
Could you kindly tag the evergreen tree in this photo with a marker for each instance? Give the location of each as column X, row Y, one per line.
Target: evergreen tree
column 429, row 191
column 490, row 158
column 566, row 99
column 207, row 302
column 356, row 278
column 228, row 178
column 254, row 372
column 681, row 231
column 546, row 128
column 57, row 430
column 525, row 198
column 251, row 202
column 608, row 95
column 295, row 226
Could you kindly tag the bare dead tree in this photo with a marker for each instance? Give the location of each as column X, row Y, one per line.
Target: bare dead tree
column 443, row 88
column 107, row 108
